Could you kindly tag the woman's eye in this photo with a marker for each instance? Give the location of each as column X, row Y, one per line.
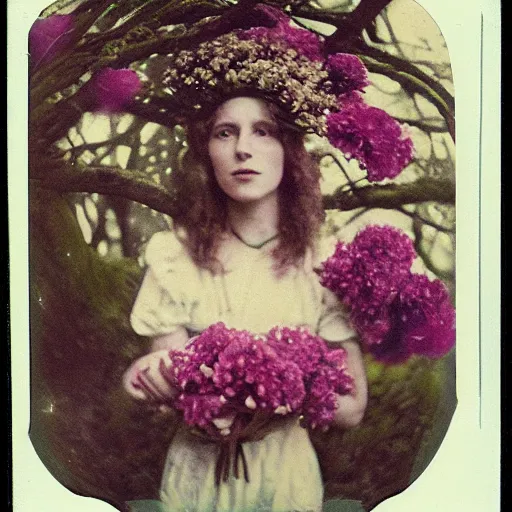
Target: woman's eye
column 262, row 132
column 223, row 134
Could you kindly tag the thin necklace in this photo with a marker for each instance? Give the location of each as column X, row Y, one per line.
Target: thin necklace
column 254, row 246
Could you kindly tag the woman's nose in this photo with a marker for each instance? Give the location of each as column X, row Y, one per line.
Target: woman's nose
column 243, row 149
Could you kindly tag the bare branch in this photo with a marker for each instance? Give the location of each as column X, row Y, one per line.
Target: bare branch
column 445, row 275
column 350, row 183
column 117, row 140
column 433, row 125
column 155, row 14
column 137, row 186
column 417, row 217
column 138, row 15
column 236, row 17
column 314, row 14
column 357, row 215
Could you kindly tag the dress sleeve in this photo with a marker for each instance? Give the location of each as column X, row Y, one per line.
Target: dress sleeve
column 334, row 323
column 164, row 301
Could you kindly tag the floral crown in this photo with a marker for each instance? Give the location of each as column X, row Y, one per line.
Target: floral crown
column 286, row 65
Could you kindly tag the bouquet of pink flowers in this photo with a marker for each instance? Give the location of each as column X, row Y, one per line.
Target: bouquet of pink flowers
column 235, row 386
column 397, row 313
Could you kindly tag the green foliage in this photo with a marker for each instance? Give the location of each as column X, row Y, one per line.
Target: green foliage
column 87, row 431
column 400, row 431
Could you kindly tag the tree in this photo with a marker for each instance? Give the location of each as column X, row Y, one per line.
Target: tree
column 95, row 201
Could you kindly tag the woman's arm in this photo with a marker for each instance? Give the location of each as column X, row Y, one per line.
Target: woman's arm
column 351, row 407
column 143, row 380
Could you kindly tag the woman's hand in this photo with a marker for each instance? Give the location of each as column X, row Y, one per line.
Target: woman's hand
column 144, row 380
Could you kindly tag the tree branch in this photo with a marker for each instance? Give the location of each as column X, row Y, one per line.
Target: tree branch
column 137, row 15
column 137, row 186
column 117, row 140
column 66, row 70
column 314, row 14
column 113, row 181
column 155, row 14
column 417, row 226
column 392, row 196
column 417, row 217
column 433, row 125
column 351, row 26
column 403, row 66
column 238, row 16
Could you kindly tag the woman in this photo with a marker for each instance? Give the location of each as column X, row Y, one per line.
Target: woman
column 243, row 253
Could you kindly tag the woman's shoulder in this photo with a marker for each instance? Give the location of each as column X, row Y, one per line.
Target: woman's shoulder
column 323, row 248
column 166, row 247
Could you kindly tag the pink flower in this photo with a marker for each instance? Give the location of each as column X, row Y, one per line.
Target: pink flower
column 212, row 341
column 299, row 345
column 226, row 372
column 324, row 371
column 329, row 380
column 111, row 90
column 373, row 323
column 243, row 372
column 423, row 322
column 252, row 368
column 428, row 317
column 49, row 37
column 347, row 73
column 366, row 274
column 372, row 137
column 396, row 313
column 305, row 43
column 271, row 13
column 199, row 410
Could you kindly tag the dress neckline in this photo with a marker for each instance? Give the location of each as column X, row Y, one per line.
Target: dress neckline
column 254, row 246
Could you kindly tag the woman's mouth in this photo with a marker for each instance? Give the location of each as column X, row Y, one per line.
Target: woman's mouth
column 244, row 172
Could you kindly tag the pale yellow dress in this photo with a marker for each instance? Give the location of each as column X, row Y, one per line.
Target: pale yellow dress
column 283, row 467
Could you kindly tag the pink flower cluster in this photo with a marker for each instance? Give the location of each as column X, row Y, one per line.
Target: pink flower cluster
column 111, row 90
column 50, row 36
column 396, row 312
column 422, row 321
column 347, row 73
column 304, row 42
column 365, row 133
column 323, row 371
column 225, row 373
column 371, row 136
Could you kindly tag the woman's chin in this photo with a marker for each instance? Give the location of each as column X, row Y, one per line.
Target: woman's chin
column 245, row 199
column 250, row 197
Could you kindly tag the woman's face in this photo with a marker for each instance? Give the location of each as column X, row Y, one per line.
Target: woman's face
column 245, row 150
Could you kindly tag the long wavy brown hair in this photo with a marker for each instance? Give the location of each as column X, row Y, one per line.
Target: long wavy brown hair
column 203, row 205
